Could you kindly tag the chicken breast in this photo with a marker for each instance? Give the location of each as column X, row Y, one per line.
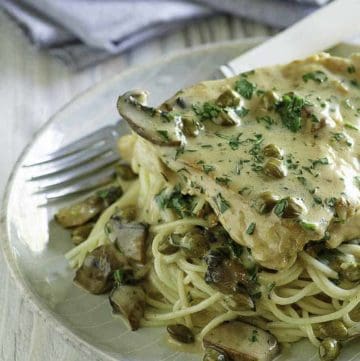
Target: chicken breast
column 274, row 151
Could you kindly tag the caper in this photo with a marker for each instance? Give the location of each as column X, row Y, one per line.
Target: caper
column 194, row 243
column 215, row 354
column 266, row 202
column 181, row 333
column 190, row 126
column 229, row 98
column 275, row 168
column 227, row 117
column 81, row 233
column 125, row 172
column 329, row 349
column 334, row 329
column 269, row 99
column 272, row 150
column 289, row 207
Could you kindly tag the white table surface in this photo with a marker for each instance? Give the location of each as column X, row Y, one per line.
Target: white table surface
column 32, row 87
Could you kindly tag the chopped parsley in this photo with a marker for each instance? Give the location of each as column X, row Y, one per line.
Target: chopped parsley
column 280, row 207
column 223, row 180
column 251, row 229
column 222, row 203
column 318, row 76
column 206, row 111
column 242, row 112
column 245, row 88
column 266, row 120
column 164, row 134
column 308, row 226
column 118, row 276
column 351, row 69
column 234, row 140
column 320, row 161
column 289, row 109
column 182, row 204
column 350, row 126
column 254, row 336
column 208, row 168
column 341, row 138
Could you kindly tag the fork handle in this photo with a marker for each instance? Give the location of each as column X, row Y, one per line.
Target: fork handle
column 318, row 31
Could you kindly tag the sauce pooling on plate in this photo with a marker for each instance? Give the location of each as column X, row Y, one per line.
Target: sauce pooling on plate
column 274, row 151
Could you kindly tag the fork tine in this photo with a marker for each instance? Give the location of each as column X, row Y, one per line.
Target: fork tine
column 98, row 136
column 62, row 179
column 96, row 180
column 71, row 161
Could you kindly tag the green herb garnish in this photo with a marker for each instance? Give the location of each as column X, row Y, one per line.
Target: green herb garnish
column 254, row 336
column 242, row 112
column 289, row 109
column 223, row 180
column 320, row 161
column 251, row 229
column 245, row 88
column 206, row 111
column 280, row 207
column 341, row 138
column 268, row 121
column 208, row 168
column 350, row 126
column 118, row 276
column 351, row 69
column 317, row 76
column 308, row 226
column 222, row 203
column 164, row 134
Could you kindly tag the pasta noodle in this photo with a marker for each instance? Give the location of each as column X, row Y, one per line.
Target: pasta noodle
column 290, row 309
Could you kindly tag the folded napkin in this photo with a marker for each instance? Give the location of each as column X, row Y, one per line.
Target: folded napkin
column 84, row 32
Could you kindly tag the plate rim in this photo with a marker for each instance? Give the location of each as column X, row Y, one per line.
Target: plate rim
column 29, row 296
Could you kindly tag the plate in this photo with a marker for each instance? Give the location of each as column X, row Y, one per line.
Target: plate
column 34, row 245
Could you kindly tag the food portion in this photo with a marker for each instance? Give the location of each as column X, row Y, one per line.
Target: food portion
column 234, row 218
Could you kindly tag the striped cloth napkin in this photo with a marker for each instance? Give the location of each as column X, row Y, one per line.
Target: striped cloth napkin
column 85, row 32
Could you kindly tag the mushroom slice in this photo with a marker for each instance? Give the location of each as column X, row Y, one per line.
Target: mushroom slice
column 96, row 273
column 242, row 342
column 129, row 302
column 155, row 125
column 130, row 237
column 82, row 212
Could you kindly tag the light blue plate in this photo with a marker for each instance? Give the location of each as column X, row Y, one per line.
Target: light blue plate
column 34, row 246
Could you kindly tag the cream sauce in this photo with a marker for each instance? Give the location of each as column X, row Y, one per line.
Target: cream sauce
column 226, row 163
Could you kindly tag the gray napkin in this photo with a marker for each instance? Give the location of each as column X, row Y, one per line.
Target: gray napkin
column 84, row 32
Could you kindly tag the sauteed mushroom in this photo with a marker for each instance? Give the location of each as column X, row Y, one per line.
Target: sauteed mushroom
column 129, row 302
column 242, row 342
column 96, row 273
column 157, row 126
column 84, row 211
column 130, row 237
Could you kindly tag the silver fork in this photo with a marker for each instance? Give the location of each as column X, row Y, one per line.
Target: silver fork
column 77, row 167
column 68, row 170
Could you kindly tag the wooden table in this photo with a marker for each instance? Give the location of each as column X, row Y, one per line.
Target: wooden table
column 32, row 87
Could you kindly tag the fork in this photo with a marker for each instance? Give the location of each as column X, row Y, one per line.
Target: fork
column 77, row 167
column 88, row 162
